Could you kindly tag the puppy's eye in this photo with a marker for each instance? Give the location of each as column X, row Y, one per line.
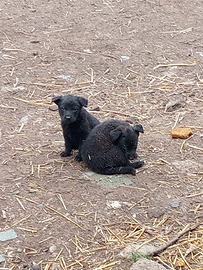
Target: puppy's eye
column 63, row 109
column 74, row 109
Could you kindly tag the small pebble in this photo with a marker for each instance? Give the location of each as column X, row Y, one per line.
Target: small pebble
column 52, row 249
column 19, row 250
column 36, row 267
column 40, row 206
column 2, row 258
column 175, row 204
column 125, row 57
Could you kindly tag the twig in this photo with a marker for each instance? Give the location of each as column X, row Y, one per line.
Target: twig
column 173, row 241
column 32, row 102
column 52, row 209
column 195, row 147
column 173, row 65
column 183, row 144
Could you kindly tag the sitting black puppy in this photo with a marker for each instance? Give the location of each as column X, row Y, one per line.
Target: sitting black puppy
column 109, row 147
column 75, row 121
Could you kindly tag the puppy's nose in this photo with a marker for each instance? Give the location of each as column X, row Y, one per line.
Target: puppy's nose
column 67, row 117
column 132, row 156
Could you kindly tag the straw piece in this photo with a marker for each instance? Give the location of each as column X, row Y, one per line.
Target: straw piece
column 172, row 65
column 52, row 209
column 29, row 200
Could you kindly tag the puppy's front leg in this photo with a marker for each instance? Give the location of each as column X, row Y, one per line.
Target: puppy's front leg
column 68, row 146
column 78, row 157
column 66, row 152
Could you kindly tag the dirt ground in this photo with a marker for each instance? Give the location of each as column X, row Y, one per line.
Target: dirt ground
column 130, row 59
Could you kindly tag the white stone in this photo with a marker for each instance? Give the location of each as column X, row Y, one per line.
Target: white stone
column 134, row 248
column 145, row 264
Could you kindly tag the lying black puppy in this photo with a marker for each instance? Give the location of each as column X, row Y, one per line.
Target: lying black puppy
column 75, row 121
column 109, row 147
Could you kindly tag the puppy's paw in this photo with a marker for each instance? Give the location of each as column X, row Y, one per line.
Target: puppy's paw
column 137, row 164
column 78, row 158
column 133, row 171
column 65, row 154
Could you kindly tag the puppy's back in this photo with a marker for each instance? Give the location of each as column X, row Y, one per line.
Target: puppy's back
column 99, row 143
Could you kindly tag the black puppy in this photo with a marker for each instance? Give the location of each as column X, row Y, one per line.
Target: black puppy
column 75, row 121
column 109, row 147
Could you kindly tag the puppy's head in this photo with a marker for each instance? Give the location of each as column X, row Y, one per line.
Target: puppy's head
column 126, row 138
column 69, row 107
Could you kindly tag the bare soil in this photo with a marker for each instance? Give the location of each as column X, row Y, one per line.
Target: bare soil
column 129, row 59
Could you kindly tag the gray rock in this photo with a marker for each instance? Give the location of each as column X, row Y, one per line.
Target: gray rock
column 175, row 204
column 145, row 264
column 36, row 267
column 2, row 258
column 8, row 235
column 52, row 249
column 134, row 248
column 109, row 181
column 19, row 250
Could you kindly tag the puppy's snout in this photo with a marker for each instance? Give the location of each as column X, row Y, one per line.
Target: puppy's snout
column 132, row 155
column 67, row 117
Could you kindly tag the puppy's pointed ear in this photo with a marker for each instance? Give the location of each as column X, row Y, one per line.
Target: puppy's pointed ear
column 115, row 134
column 83, row 101
column 57, row 100
column 138, row 128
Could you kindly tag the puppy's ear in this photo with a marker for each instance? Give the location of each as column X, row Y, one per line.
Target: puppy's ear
column 57, row 100
column 138, row 128
column 115, row 134
column 83, row 101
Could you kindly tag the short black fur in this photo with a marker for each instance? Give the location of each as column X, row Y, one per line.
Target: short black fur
column 76, row 122
column 109, row 147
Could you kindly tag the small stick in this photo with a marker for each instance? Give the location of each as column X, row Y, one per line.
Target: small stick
column 95, row 249
column 107, row 265
column 199, row 79
column 132, row 70
column 61, row 199
column 42, row 241
column 173, row 240
column 194, row 195
column 164, row 161
column 60, row 252
column 20, row 203
column 19, row 222
column 23, row 198
column 172, row 65
column 136, row 203
column 184, row 259
column 182, row 146
column 198, row 99
column 81, row 260
column 146, row 242
column 21, row 127
column 52, row 209
column 32, row 102
column 176, row 122
column 195, row 147
column 62, row 263
column 8, row 107
column 28, row 230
